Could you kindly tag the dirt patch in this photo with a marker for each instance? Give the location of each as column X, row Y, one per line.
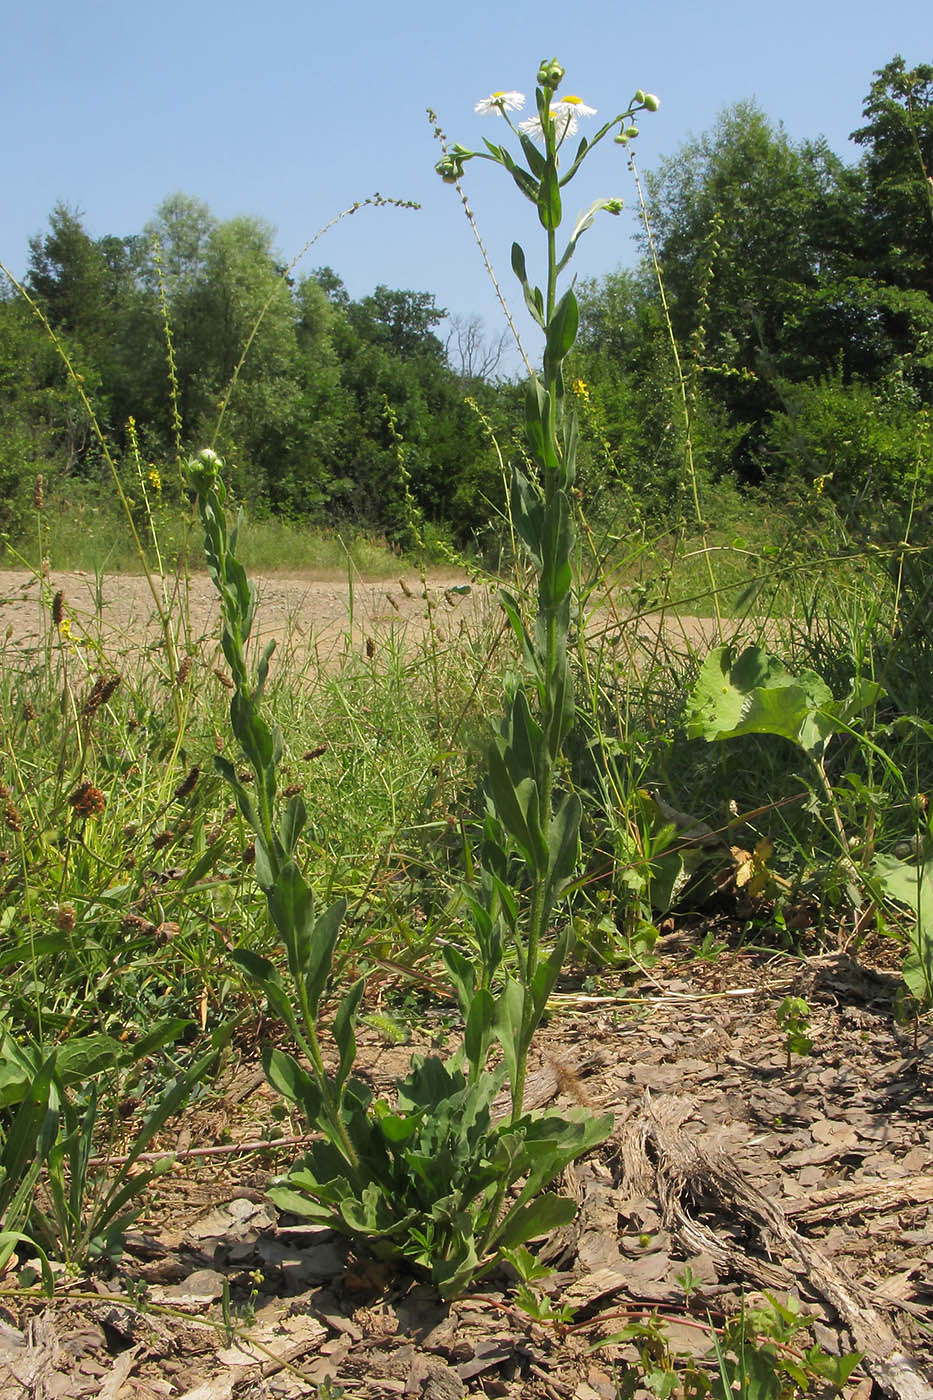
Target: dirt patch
column 317, row 617
column 727, row 1166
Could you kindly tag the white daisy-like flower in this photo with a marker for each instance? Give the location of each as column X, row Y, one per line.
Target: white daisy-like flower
column 565, row 115
column 565, row 122
column 498, row 102
column 573, row 106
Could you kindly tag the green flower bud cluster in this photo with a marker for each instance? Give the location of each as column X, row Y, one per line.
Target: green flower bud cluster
column 550, row 74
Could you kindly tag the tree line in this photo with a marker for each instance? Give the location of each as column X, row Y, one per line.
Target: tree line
column 799, row 295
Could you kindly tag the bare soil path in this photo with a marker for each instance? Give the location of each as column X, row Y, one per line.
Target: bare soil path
column 322, row 614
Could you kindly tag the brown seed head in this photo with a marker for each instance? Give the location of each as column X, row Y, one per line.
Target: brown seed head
column 29, row 710
column 314, row 753
column 87, row 800
column 223, row 678
column 184, row 670
column 58, row 607
column 134, row 924
column 11, row 817
column 187, row 786
column 100, row 693
column 65, row 917
column 38, row 494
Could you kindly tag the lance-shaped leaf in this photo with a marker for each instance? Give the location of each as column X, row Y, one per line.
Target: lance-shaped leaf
column 460, row 969
column 561, row 332
column 584, row 221
column 563, row 841
column 534, row 299
column 538, row 420
column 527, row 508
column 525, row 737
column 293, row 1082
column 243, row 798
column 345, row 1030
column 525, row 182
column 321, row 956
column 480, row 1027
column 556, row 543
column 548, row 200
column 513, row 611
column 292, row 909
column 264, row 973
column 516, row 806
column 510, row 1010
column 291, row 823
column 538, row 1217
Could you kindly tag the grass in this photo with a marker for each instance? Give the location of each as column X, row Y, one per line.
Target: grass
column 83, row 528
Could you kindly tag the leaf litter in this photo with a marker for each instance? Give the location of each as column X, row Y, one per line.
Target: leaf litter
column 728, row 1176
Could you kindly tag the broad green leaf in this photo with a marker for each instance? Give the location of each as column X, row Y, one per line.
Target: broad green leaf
column 538, row 1217
column 756, row 695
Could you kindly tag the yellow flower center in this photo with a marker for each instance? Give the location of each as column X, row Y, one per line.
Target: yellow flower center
column 577, row 101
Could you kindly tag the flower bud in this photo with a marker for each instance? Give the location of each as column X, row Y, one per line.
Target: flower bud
column 650, row 102
column 614, row 206
column 550, row 74
column 450, row 169
column 631, row 131
column 639, row 97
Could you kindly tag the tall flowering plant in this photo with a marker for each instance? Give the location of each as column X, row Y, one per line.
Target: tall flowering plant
column 524, row 819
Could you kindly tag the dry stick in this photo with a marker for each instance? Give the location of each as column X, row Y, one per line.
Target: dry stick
column 227, row 1149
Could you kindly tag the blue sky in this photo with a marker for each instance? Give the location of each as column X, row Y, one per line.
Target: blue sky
column 292, row 111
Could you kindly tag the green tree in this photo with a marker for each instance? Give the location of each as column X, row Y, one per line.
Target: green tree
column 898, row 164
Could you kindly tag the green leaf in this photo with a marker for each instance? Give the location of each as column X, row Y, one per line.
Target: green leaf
column 462, row 974
column 527, row 510
column 292, row 823
column 344, row 1030
column 510, row 1008
column 537, row 421
column 561, row 332
column 537, row 163
column 291, row 907
column 548, row 197
column 480, row 1025
column 321, row 953
column 516, row 806
column 563, row 843
column 265, row 975
column 293, row 1082
column 756, row 695
column 533, row 297
column 538, row 1217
